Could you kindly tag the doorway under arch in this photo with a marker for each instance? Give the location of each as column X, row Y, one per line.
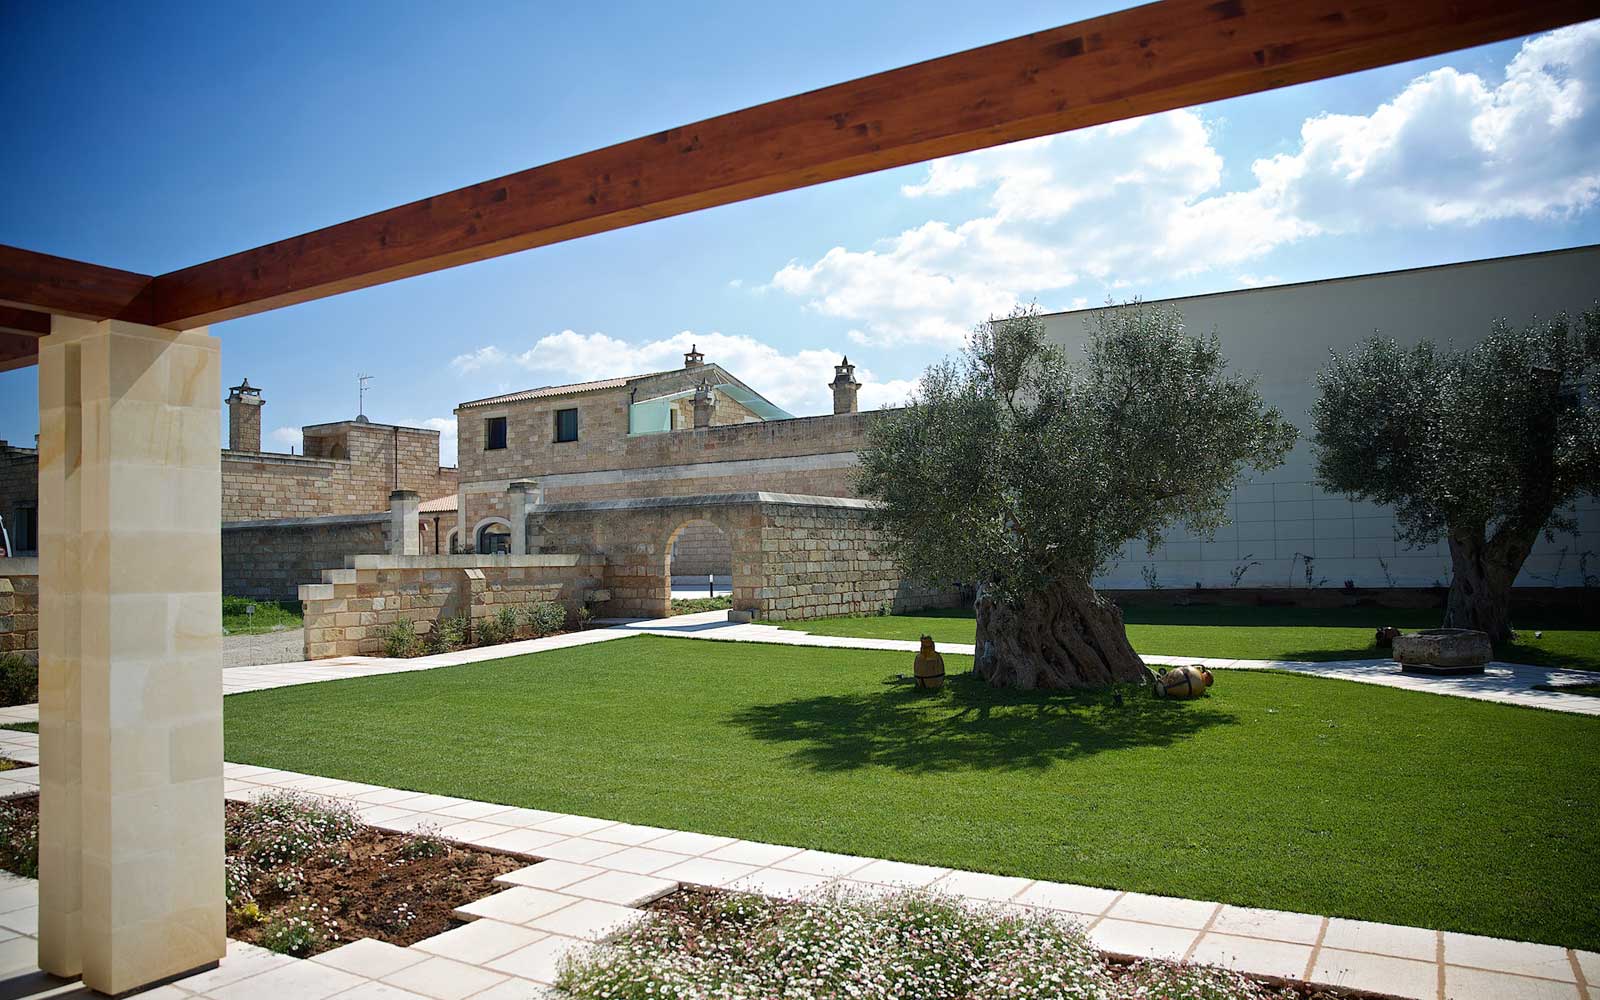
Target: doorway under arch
column 700, row 561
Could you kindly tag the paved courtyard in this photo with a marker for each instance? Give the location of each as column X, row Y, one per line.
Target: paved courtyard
column 598, row 872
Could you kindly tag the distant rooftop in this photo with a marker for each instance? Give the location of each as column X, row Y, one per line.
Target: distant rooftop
column 571, row 388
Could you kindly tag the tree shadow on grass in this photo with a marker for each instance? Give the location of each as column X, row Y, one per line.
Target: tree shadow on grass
column 969, row 725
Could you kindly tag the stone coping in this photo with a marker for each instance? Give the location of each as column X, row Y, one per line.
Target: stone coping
column 704, row 500
column 281, row 458
column 320, row 521
column 464, row 561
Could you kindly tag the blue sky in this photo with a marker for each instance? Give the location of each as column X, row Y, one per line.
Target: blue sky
column 152, row 136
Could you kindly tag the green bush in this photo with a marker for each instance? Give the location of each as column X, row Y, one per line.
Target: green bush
column 545, row 618
column 501, row 627
column 19, row 680
column 448, row 635
column 400, row 639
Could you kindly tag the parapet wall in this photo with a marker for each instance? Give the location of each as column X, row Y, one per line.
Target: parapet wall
column 19, row 608
column 269, row 560
column 346, row 614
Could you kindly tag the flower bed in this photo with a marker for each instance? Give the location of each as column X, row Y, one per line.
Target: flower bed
column 706, row 944
column 304, row 875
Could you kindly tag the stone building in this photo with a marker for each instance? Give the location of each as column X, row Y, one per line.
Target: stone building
column 690, row 431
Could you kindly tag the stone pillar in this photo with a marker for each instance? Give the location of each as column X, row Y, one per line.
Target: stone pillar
column 522, row 495
column 130, row 679
column 244, row 417
column 405, row 537
column 705, row 404
column 845, row 387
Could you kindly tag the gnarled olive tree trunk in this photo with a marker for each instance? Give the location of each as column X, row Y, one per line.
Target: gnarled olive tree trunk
column 1482, row 572
column 1065, row 637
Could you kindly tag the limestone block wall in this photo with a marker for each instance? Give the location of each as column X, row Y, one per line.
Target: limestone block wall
column 19, row 608
column 271, row 559
column 821, row 560
column 19, row 491
column 346, row 613
column 701, row 548
column 792, row 556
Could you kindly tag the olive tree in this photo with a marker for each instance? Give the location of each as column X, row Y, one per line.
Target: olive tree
column 1482, row 446
column 1025, row 471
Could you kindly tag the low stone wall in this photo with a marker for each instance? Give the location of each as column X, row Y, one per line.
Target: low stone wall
column 792, row 556
column 269, row 560
column 700, row 549
column 19, row 607
column 346, row 613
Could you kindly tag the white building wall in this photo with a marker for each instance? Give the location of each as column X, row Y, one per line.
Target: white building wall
column 1284, row 334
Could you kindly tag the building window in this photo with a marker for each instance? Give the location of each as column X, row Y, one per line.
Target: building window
column 494, row 540
column 494, row 433
column 566, row 425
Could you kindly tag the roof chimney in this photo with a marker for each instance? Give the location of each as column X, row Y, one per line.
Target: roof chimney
column 693, row 358
column 844, row 386
column 244, row 417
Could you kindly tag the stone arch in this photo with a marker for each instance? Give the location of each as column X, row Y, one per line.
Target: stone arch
column 486, row 539
column 743, row 541
column 699, row 548
column 451, row 538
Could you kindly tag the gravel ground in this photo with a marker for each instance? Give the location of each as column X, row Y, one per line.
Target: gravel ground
column 287, row 646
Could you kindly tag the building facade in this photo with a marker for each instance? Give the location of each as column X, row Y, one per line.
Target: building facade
column 1288, row 533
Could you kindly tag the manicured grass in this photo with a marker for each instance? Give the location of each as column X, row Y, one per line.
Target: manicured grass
column 1249, row 633
column 269, row 615
column 22, row 727
column 694, row 605
column 1276, row 790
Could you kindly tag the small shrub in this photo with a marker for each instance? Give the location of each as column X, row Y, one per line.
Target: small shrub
column 19, row 840
column 19, row 680
column 400, row 640
column 585, row 617
column 498, row 628
column 300, row 933
column 545, row 618
column 449, row 634
column 272, row 834
column 424, row 842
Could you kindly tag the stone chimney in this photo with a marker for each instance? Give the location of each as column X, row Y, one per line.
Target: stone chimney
column 244, row 417
column 705, row 404
column 692, row 358
column 844, row 386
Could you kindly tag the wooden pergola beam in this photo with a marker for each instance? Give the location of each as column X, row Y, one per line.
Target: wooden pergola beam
column 20, row 330
column 1161, row 56
column 39, row 282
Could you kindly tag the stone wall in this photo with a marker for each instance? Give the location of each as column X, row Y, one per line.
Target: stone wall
column 270, row 560
column 701, row 548
column 348, row 468
column 19, row 492
column 19, row 608
column 792, row 556
column 346, row 614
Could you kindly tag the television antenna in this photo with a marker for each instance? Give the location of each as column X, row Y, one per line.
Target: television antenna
column 361, row 393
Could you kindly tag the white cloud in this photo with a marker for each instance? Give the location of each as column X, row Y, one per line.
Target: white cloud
column 446, row 426
column 287, row 437
column 1124, row 204
column 797, row 382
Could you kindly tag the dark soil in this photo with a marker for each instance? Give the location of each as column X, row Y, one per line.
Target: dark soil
column 688, row 902
column 370, row 888
column 373, row 890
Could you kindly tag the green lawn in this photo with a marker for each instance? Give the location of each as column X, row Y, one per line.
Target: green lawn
column 269, row 615
column 1276, row 790
column 1249, row 633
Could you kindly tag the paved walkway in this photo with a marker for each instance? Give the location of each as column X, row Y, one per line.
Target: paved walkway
column 1507, row 683
column 597, row 873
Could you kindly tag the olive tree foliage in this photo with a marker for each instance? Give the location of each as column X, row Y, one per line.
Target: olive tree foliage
column 1482, row 447
column 1025, row 471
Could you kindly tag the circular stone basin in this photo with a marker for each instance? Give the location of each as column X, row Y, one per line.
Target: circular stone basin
column 1443, row 651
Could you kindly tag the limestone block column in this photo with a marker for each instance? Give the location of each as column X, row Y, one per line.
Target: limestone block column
column 130, row 679
column 405, row 538
column 521, row 495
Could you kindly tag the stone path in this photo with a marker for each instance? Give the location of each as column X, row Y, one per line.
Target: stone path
column 598, row 872
column 1507, row 683
column 263, row 647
